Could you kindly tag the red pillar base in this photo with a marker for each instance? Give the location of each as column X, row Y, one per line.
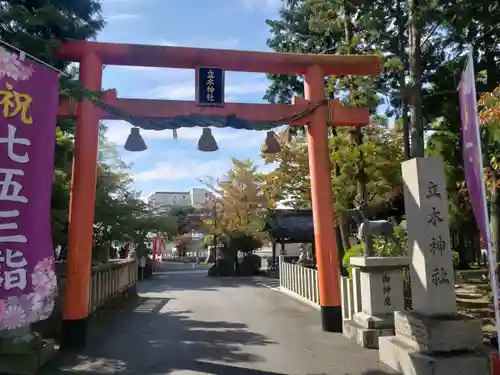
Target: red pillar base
column 495, row 364
column 331, row 319
column 74, row 334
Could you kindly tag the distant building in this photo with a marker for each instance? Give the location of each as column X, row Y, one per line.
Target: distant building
column 196, row 197
column 199, row 197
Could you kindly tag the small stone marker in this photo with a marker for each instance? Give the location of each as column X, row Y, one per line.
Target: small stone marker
column 380, row 286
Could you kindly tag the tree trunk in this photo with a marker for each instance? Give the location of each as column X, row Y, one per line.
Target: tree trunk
column 342, row 247
column 494, row 202
column 415, row 34
column 357, row 134
column 494, row 216
column 494, row 196
column 402, row 81
column 341, row 235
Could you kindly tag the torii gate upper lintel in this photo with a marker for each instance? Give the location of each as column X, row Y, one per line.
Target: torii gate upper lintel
column 92, row 56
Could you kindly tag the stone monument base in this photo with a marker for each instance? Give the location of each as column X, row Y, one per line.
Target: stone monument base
column 408, row 361
column 366, row 337
column 25, row 355
column 366, row 329
column 381, row 294
column 453, row 333
column 430, row 345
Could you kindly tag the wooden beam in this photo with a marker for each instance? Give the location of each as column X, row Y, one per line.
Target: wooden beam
column 233, row 60
column 147, row 108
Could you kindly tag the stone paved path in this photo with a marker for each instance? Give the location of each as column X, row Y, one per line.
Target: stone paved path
column 187, row 323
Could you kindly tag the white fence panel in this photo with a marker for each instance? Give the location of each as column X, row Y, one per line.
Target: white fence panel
column 302, row 283
column 299, row 282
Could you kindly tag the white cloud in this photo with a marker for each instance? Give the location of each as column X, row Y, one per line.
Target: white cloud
column 186, row 90
column 266, row 168
column 167, row 43
column 228, row 43
column 225, row 44
column 261, row 5
column 188, row 168
column 175, row 91
column 122, row 17
column 184, row 169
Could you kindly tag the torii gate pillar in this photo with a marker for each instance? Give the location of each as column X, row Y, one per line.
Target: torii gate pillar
column 81, row 210
column 322, row 205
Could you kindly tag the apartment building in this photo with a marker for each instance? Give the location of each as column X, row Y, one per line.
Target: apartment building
column 196, row 197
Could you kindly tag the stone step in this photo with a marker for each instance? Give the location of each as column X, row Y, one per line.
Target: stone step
column 466, row 294
column 474, row 288
column 489, row 329
column 477, row 282
column 488, row 321
column 473, row 303
column 481, row 313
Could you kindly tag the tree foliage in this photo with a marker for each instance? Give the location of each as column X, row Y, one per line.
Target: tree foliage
column 240, row 206
column 359, row 27
column 290, row 182
column 120, row 214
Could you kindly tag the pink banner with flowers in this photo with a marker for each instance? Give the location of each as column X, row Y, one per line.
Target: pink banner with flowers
column 28, row 113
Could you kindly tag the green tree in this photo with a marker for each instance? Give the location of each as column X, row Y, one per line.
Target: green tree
column 240, row 204
column 383, row 154
column 289, row 182
column 35, row 26
column 182, row 217
column 444, row 29
column 31, row 26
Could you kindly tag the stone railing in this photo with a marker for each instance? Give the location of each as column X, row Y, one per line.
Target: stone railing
column 202, row 254
column 109, row 282
column 350, row 290
column 302, row 283
column 299, row 282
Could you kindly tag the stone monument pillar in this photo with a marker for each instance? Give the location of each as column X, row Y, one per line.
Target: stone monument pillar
column 381, row 287
column 433, row 338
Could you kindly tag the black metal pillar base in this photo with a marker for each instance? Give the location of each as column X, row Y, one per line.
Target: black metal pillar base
column 331, row 318
column 74, row 334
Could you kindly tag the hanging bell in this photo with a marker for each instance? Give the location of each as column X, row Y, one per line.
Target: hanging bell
column 272, row 144
column 207, row 141
column 134, row 142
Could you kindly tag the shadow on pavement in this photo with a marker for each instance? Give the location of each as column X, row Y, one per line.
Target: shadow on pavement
column 149, row 339
column 159, row 335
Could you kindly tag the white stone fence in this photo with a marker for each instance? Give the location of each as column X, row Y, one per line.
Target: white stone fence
column 299, row 282
column 350, row 290
column 302, row 283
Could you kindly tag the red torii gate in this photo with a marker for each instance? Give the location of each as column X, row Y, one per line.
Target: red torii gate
column 92, row 56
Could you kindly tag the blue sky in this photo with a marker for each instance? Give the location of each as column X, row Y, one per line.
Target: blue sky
column 225, row 24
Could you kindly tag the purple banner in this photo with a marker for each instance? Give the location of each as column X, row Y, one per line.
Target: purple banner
column 471, row 147
column 28, row 112
column 473, row 168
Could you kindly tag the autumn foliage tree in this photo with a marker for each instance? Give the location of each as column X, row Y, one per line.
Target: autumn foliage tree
column 382, row 149
column 240, row 205
column 239, row 208
column 489, row 120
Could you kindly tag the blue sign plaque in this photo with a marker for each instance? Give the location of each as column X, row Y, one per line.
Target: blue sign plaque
column 210, row 86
